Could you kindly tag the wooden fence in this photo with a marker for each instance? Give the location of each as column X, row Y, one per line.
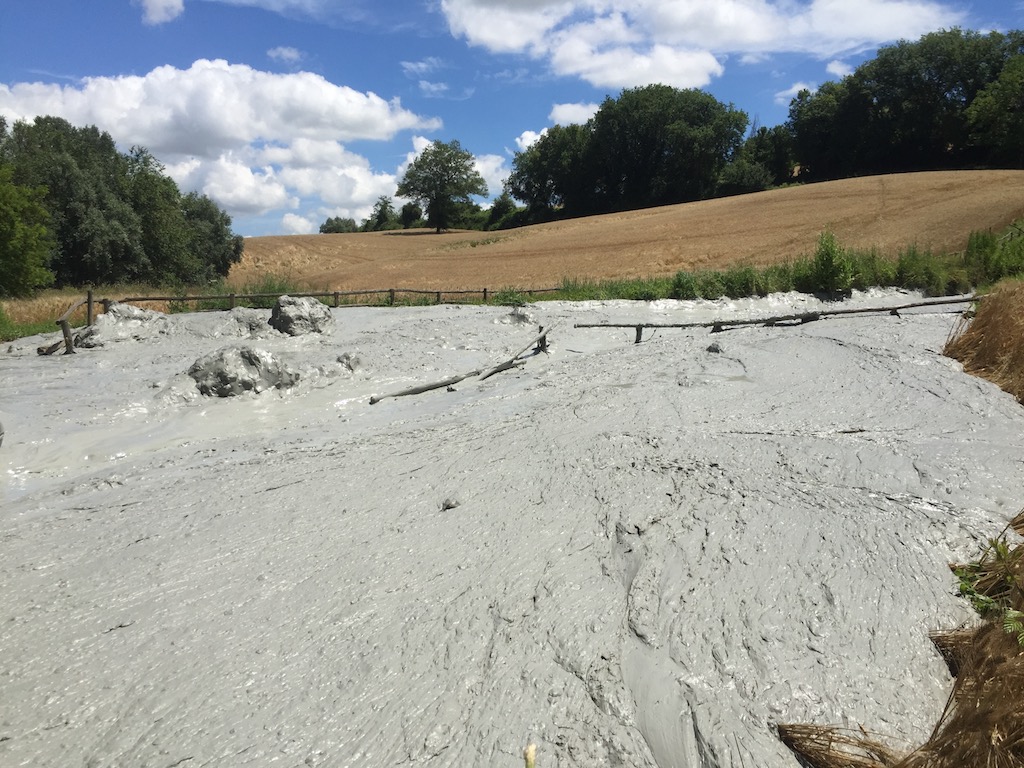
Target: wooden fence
column 335, row 298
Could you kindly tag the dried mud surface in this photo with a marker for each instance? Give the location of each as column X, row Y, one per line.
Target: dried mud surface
column 631, row 554
column 936, row 210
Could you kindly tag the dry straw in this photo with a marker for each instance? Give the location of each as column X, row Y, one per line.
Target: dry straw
column 991, row 345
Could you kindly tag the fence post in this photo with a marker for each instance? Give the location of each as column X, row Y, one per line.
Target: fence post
column 106, row 305
column 391, row 296
column 438, row 298
column 88, row 307
column 232, row 297
column 485, row 295
column 335, row 299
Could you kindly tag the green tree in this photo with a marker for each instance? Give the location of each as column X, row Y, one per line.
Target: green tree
column 773, row 149
column 210, row 236
column 163, row 230
column 657, row 144
column 742, row 176
column 116, row 217
column 907, row 109
column 25, row 242
column 383, row 216
column 996, row 116
column 410, row 215
column 502, row 209
column 553, row 173
column 440, row 179
column 337, row 225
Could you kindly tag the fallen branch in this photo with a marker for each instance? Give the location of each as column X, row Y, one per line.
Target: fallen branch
column 425, row 387
column 540, row 342
column 514, row 362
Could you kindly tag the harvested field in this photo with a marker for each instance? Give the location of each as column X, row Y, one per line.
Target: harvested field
column 936, row 210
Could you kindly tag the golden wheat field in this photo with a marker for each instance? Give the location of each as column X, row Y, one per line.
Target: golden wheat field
column 935, row 210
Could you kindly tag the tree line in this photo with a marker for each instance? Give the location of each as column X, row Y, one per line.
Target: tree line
column 76, row 211
column 952, row 99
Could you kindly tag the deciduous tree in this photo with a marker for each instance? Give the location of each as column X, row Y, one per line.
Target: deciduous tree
column 441, row 179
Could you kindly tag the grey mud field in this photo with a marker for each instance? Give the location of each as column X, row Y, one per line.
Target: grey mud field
column 630, row 555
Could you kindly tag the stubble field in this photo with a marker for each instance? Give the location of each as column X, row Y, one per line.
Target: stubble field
column 935, row 210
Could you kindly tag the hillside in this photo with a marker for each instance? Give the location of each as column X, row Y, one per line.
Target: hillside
column 935, row 210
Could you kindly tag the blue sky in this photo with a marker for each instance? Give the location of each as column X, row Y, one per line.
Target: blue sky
column 287, row 112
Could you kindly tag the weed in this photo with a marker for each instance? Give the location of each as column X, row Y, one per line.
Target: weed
column 833, row 270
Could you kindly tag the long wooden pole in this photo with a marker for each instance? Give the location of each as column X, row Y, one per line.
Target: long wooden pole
column 803, row 317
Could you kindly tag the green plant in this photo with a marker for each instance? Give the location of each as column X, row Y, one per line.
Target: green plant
column 833, row 270
column 994, row 584
column 508, row 297
column 1013, row 624
column 684, row 286
column 739, row 282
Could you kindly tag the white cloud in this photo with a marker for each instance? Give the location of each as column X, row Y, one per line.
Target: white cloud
column 241, row 189
column 417, row 69
column 254, row 141
column 784, row 97
column 572, row 114
column 160, row 11
column 625, row 43
column 286, row 54
column 512, row 26
column 433, row 90
column 494, row 171
column 293, row 224
column 839, row 68
column 527, row 139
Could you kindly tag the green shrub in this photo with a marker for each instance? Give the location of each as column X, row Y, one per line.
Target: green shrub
column 871, row 270
column 778, row 278
column 833, row 271
column 710, row 284
column 920, row 270
column 740, row 282
column 684, row 286
column 508, row 297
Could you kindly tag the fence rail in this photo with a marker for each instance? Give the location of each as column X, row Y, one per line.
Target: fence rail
column 393, row 295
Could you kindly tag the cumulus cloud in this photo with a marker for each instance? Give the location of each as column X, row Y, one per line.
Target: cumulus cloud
column 494, row 171
column 527, row 139
column 839, row 68
column 254, row 141
column 572, row 114
column 160, row 11
column 624, row 43
column 786, row 96
column 293, row 224
column 286, row 54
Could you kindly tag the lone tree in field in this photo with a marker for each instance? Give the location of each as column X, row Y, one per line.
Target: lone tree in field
column 442, row 179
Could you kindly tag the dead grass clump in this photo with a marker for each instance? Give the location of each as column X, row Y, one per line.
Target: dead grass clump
column 828, row 747
column 983, row 724
column 991, row 345
column 954, row 645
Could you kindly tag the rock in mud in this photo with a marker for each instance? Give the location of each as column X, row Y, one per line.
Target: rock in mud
column 235, row 370
column 298, row 316
column 120, row 323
